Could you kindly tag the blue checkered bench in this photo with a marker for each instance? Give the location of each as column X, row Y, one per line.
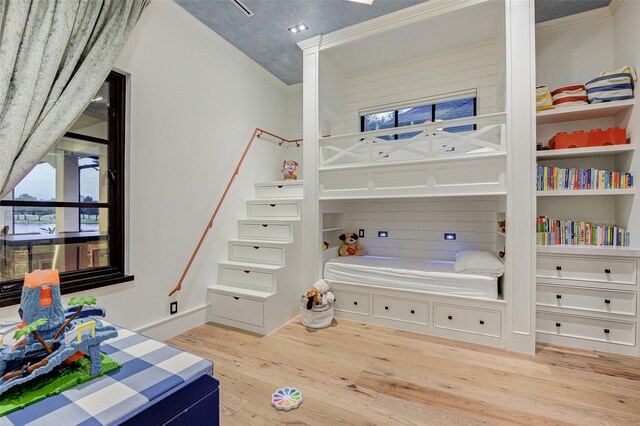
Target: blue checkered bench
column 157, row 384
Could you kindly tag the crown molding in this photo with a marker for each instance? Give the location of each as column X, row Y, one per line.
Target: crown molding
column 393, row 20
column 310, row 42
column 578, row 18
column 614, row 5
column 176, row 10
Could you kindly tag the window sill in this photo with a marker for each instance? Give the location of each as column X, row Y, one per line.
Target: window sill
column 70, row 285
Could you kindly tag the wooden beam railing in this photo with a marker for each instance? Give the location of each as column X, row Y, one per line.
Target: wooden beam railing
column 257, row 133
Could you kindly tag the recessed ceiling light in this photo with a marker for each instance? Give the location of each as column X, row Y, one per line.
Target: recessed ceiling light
column 298, row 28
column 363, row 1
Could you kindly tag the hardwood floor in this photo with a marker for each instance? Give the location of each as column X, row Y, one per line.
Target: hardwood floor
column 352, row 373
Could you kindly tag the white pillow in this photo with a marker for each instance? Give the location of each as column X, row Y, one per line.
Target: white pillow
column 478, row 262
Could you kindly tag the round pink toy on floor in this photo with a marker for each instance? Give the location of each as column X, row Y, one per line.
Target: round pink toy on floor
column 286, row 398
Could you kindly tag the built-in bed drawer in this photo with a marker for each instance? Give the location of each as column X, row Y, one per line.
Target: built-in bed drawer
column 347, row 301
column 470, row 320
column 401, row 309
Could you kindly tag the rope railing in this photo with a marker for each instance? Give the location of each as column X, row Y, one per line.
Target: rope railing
column 257, row 133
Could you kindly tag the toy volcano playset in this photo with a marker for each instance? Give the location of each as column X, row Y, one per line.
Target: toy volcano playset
column 51, row 339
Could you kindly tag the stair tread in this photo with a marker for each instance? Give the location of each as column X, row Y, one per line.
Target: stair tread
column 253, row 294
column 268, row 220
column 265, row 266
column 274, row 200
column 280, row 182
column 259, row 242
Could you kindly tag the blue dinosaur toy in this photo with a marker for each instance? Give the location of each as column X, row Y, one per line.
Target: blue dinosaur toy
column 50, row 334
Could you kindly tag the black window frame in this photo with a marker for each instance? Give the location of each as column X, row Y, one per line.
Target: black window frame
column 433, row 112
column 75, row 281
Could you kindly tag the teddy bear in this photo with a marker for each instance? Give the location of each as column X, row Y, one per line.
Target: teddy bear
column 289, row 169
column 319, row 294
column 350, row 245
column 502, row 225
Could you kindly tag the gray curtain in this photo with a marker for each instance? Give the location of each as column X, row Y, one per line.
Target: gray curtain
column 54, row 56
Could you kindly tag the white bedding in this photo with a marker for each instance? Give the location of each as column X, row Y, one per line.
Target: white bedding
column 435, row 276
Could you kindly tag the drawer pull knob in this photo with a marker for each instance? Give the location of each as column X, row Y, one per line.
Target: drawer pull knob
column 606, row 331
column 607, row 301
column 449, row 317
column 256, row 247
column 246, row 272
column 272, row 205
column 237, row 298
column 558, row 324
column 265, row 225
column 355, row 303
column 280, row 186
column 607, row 271
column 386, row 308
column 558, row 268
column 481, row 322
column 413, row 312
column 558, row 296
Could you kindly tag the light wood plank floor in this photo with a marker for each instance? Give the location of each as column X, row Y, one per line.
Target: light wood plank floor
column 352, row 373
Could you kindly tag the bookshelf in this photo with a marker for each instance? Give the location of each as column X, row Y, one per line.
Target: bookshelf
column 584, row 112
column 592, row 151
column 585, row 192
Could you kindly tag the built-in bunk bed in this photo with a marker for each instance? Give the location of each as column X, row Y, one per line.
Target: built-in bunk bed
column 424, row 198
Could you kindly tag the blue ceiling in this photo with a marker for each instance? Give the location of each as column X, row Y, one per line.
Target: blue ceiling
column 264, row 36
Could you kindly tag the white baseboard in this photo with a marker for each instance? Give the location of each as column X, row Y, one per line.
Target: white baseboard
column 172, row 326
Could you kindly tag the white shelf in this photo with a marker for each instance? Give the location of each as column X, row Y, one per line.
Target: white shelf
column 501, row 233
column 584, row 192
column 331, row 229
column 583, row 112
column 590, row 250
column 592, row 151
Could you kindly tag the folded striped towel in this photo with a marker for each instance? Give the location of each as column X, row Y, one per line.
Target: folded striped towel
column 543, row 98
column 575, row 94
column 614, row 85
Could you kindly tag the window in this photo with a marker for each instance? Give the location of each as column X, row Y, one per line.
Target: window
column 428, row 113
column 68, row 212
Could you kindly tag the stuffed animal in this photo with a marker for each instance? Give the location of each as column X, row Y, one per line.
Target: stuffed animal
column 289, row 169
column 325, row 245
column 322, row 286
column 350, row 245
column 313, row 298
column 502, row 225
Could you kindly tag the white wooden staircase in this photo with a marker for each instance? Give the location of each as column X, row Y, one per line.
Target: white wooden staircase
column 258, row 289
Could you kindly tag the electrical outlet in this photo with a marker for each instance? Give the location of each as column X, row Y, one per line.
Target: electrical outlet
column 173, row 308
column 361, row 233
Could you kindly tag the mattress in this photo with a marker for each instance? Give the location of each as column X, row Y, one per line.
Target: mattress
column 435, row 276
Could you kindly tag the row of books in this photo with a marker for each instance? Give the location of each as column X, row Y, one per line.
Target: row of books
column 570, row 232
column 551, row 178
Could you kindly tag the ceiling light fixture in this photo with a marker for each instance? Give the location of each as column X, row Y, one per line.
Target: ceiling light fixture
column 298, row 28
column 369, row 2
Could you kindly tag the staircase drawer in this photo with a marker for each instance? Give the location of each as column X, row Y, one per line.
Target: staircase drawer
column 289, row 210
column 606, row 301
column 620, row 332
column 401, row 309
column 347, row 301
column 279, row 190
column 257, row 254
column 269, row 231
column 587, row 269
column 247, row 278
column 469, row 320
column 238, row 309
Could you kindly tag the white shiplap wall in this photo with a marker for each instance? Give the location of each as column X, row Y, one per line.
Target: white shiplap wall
column 416, row 226
column 472, row 66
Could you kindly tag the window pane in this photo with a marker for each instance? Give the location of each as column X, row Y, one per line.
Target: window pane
column 94, row 121
column 378, row 121
column 416, row 115
column 39, row 184
column 460, row 108
column 74, row 170
column 68, row 239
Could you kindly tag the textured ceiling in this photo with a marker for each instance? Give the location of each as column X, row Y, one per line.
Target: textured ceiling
column 264, row 36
